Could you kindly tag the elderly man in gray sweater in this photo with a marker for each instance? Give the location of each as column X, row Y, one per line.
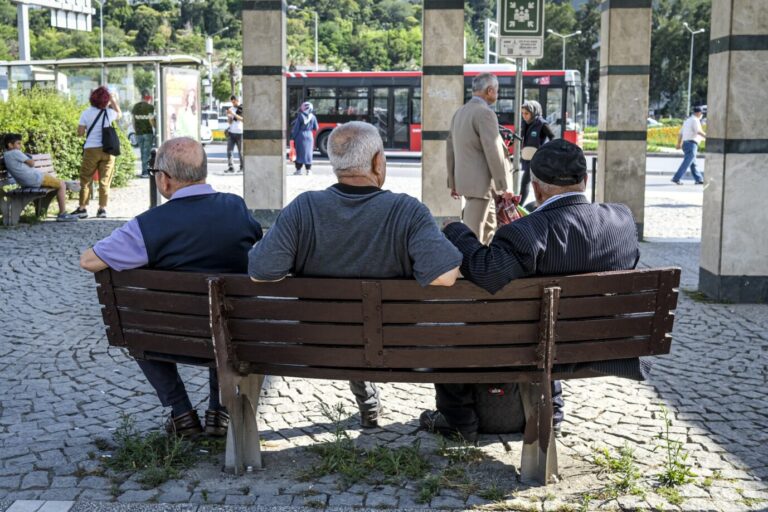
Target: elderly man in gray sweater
column 356, row 229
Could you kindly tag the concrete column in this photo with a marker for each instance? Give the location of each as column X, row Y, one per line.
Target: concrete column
column 625, row 57
column 264, row 107
column 442, row 93
column 734, row 239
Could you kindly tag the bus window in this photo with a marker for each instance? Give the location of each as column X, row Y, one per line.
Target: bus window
column 553, row 110
column 294, row 101
column 353, row 101
column 416, row 106
column 574, row 109
column 531, row 93
column 323, row 99
column 505, row 106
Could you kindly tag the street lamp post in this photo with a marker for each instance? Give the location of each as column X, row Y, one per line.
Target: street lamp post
column 295, row 8
column 563, row 37
column 101, row 40
column 209, row 51
column 690, row 66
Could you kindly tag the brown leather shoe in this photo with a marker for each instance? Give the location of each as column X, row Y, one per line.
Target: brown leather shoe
column 216, row 423
column 186, row 425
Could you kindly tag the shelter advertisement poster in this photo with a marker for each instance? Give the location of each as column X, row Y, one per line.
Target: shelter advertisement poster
column 181, row 108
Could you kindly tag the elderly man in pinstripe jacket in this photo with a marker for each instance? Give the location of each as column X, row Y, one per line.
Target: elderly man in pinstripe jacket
column 566, row 235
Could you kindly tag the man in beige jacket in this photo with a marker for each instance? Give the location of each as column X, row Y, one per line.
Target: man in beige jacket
column 476, row 157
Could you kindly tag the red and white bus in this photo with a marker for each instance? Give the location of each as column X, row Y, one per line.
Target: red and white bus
column 391, row 100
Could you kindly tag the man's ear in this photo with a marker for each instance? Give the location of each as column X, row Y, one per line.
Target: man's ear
column 377, row 163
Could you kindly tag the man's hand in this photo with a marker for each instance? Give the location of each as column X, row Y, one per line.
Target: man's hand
column 454, row 194
column 91, row 262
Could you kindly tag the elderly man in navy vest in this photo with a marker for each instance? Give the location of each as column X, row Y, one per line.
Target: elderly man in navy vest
column 356, row 229
column 566, row 235
column 197, row 230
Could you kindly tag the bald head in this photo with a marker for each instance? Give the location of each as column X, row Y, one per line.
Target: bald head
column 184, row 159
column 352, row 148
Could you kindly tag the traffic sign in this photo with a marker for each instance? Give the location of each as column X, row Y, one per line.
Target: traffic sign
column 521, row 28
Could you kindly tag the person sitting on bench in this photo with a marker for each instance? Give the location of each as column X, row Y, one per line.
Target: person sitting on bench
column 355, row 229
column 565, row 235
column 22, row 168
column 197, row 230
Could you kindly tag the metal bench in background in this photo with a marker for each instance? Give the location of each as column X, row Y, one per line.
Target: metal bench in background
column 14, row 200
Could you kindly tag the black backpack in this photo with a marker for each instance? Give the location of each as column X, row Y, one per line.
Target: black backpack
column 499, row 408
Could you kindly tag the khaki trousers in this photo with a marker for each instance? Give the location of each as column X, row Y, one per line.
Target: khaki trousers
column 95, row 159
column 479, row 215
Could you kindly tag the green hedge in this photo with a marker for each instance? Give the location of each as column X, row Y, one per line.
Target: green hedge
column 48, row 122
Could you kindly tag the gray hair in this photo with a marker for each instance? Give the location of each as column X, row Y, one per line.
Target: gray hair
column 550, row 189
column 183, row 158
column 483, row 81
column 532, row 106
column 351, row 148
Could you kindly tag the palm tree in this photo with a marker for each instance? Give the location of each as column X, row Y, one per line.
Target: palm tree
column 233, row 59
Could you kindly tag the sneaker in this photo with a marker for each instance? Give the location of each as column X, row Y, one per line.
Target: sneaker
column 73, row 186
column 102, row 213
column 230, row 169
column 699, row 183
column 435, row 422
column 557, row 428
column 297, row 173
column 67, row 217
column 186, row 425
column 676, row 182
column 80, row 213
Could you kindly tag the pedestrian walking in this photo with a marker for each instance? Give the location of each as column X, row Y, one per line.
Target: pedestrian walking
column 535, row 133
column 691, row 134
column 302, row 137
column 103, row 111
column 234, row 133
column 476, row 158
column 143, row 114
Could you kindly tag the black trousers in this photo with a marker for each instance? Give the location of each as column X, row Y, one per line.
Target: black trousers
column 526, row 180
column 457, row 403
column 164, row 377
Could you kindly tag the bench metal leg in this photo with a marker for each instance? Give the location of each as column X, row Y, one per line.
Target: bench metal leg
column 539, row 461
column 243, row 446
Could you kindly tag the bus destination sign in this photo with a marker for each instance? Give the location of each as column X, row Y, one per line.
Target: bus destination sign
column 521, row 28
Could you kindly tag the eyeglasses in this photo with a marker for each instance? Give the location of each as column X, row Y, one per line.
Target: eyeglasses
column 152, row 172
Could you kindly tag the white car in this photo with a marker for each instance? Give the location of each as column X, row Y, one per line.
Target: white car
column 652, row 123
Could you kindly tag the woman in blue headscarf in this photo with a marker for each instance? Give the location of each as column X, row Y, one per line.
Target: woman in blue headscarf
column 301, row 134
column 535, row 133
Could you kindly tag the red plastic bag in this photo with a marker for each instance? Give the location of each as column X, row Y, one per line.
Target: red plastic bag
column 292, row 152
column 508, row 208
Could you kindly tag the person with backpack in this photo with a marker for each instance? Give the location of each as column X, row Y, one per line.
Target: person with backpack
column 104, row 110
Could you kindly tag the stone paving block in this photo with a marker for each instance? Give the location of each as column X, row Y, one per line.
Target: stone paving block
column 178, row 495
column 57, row 506
column 137, row 496
column 10, row 482
column 26, row 506
column 379, row 500
column 59, row 494
column 346, row 500
column 34, row 480
column 239, row 499
column 282, row 500
column 95, row 482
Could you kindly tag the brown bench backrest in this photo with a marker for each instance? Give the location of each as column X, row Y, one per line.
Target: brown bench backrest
column 384, row 329
column 43, row 162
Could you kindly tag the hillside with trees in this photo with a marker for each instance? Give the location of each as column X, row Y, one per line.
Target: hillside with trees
column 362, row 35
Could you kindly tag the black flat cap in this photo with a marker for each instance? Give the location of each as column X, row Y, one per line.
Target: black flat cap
column 559, row 163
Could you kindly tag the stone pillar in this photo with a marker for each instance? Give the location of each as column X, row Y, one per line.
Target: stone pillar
column 625, row 57
column 734, row 239
column 264, row 111
column 442, row 93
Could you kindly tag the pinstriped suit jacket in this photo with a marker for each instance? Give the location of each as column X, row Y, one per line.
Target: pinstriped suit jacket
column 569, row 236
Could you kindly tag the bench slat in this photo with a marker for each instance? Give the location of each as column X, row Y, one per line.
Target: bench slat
column 474, row 334
column 603, row 350
column 330, row 334
column 305, row 355
column 169, row 344
column 167, row 302
column 165, row 323
column 301, row 310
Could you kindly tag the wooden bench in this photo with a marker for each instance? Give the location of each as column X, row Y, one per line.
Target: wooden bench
column 13, row 201
column 391, row 331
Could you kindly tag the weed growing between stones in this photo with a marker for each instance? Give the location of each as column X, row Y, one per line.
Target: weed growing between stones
column 676, row 471
column 622, row 471
column 155, row 456
column 671, row 494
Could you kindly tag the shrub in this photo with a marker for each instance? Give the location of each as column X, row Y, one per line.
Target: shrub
column 48, row 122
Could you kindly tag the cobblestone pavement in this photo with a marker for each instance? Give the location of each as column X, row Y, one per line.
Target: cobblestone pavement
column 63, row 390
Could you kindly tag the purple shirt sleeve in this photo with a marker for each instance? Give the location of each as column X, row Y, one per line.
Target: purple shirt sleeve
column 124, row 249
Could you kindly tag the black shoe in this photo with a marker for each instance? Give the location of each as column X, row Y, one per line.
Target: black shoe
column 699, row 183
column 676, row 182
column 435, row 422
column 216, row 423
column 80, row 213
column 102, row 213
column 230, row 169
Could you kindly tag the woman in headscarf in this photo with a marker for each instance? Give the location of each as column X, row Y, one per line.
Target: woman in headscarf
column 535, row 133
column 302, row 137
